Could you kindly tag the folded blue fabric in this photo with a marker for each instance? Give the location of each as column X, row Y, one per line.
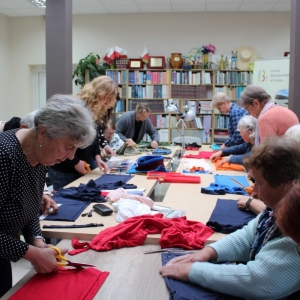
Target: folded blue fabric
column 227, row 218
column 149, row 163
column 111, row 178
column 133, row 170
column 225, row 180
column 197, row 172
column 186, row 290
column 161, row 151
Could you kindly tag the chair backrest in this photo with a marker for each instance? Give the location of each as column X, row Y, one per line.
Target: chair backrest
column 187, row 140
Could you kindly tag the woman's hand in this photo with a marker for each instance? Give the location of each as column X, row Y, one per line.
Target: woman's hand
column 47, row 203
column 224, row 160
column 130, row 143
column 241, row 203
column 215, row 156
column 43, row 259
column 101, row 164
column 109, row 151
column 80, row 167
column 177, row 271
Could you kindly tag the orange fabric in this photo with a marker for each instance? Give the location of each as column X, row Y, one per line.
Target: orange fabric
column 227, row 166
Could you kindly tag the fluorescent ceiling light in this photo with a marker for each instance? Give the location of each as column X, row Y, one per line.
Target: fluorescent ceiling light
column 39, row 3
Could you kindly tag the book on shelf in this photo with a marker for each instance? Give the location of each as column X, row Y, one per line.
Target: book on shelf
column 163, row 135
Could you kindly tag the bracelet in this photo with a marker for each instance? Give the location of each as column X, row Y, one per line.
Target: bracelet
column 37, row 237
column 248, row 203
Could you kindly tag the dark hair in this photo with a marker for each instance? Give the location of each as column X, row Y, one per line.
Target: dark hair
column 288, row 211
column 278, row 160
column 111, row 124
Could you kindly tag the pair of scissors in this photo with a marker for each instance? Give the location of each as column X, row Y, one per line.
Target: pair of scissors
column 248, row 190
column 165, row 250
column 66, row 263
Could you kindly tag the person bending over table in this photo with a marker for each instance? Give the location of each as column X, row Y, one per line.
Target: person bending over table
column 267, row 263
column 28, row 122
column 24, row 157
column 271, row 119
column 99, row 96
column 225, row 106
column 110, row 135
column 235, row 154
column 133, row 125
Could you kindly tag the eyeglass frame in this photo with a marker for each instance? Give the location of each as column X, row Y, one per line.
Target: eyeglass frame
column 298, row 249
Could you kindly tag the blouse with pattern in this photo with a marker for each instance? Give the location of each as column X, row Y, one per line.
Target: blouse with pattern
column 21, row 190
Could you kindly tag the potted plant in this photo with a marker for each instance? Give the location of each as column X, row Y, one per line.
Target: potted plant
column 88, row 68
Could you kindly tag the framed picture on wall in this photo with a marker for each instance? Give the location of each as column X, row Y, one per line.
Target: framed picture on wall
column 157, row 62
column 135, row 63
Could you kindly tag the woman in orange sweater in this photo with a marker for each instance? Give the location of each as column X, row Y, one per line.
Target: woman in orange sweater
column 272, row 120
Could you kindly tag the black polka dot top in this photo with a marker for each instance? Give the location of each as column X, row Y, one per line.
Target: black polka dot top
column 21, row 189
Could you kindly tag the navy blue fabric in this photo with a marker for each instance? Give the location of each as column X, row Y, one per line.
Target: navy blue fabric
column 227, row 218
column 133, row 170
column 113, row 182
column 84, row 192
column 224, row 185
column 149, row 163
column 70, row 209
column 188, row 291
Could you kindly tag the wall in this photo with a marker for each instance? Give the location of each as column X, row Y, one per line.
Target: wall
column 4, row 66
column 267, row 33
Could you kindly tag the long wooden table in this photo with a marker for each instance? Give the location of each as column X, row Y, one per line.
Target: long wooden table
column 133, row 274
column 89, row 233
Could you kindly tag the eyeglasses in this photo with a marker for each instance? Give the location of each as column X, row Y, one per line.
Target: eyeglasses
column 219, row 106
column 247, row 108
column 298, row 249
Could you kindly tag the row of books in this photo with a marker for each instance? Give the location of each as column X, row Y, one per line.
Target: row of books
column 122, row 91
column 191, row 92
column 221, row 121
column 189, row 77
column 230, row 77
column 233, row 93
column 149, row 91
column 156, row 106
column 119, row 77
column 121, row 105
column 148, row 77
column 220, row 136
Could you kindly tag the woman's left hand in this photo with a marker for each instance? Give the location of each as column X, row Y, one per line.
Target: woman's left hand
column 109, row 151
column 101, row 164
column 224, row 160
column 178, row 271
column 47, row 203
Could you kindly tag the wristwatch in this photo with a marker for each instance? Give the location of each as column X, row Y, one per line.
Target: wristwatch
column 248, row 203
column 37, row 237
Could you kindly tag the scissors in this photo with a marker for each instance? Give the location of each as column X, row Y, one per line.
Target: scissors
column 248, row 190
column 165, row 250
column 66, row 263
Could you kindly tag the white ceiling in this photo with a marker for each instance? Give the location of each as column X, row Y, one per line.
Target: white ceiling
column 23, row 8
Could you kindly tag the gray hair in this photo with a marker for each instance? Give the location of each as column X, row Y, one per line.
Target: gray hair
column 142, row 107
column 252, row 92
column 293, row 133
column 67, row 116
column 248, row 123
column 28, row 119
column 218, row 98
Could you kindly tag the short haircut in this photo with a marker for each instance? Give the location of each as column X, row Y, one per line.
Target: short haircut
column 288, row 211
column 248, row 123
column 28, row 119
column 66, row 116
column 99, row 88
column 218, row 98
column 142, row 107
column 278, row 160
column 252, row 92
column 293, row 133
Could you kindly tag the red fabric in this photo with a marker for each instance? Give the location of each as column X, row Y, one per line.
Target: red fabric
column 175, row 232
column 66, row 284
column 202, row 154
column 173, row 177
column 227, row 166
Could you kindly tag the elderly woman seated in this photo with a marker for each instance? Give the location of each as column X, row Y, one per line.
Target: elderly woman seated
column 269, row 265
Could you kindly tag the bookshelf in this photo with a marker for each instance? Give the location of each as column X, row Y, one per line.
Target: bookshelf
column 188, row 88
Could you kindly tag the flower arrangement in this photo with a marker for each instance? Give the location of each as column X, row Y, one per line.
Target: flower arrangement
column 195, row 56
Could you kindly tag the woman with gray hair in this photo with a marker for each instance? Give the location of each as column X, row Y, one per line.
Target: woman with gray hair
column 272, row 120
column 235, row 154
column 25, row 155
